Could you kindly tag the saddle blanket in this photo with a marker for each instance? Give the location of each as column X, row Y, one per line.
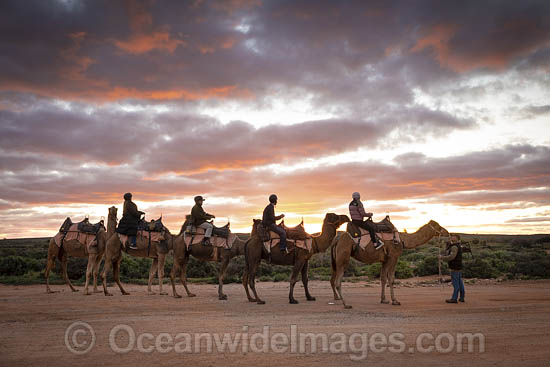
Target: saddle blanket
column 306, row 244
column 73, row 234
column 363, row 243
column 197, row 237
column 143, row 236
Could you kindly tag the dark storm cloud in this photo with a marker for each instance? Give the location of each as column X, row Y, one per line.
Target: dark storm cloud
column 350, row 52
column 179, row 142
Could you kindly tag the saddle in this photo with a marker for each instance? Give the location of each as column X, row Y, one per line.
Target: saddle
column 152, row 226
column 384, row 226
column 84, row 226
column 191, row 229
column 295, row 233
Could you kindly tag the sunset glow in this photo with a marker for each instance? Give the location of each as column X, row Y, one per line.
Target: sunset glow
column 428, row 112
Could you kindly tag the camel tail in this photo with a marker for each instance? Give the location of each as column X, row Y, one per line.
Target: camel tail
column 246, row 252
column 333, row 256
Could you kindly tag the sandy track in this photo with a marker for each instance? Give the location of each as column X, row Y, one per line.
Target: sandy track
column 514, row 317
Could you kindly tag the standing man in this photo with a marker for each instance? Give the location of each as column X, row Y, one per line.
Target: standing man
column 454, row 258
column 357, row 213
column 268, row 220
column 200, row 217
column 128, row 225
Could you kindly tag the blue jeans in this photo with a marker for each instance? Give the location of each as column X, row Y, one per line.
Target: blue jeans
column 458, row 285
column 281, row 232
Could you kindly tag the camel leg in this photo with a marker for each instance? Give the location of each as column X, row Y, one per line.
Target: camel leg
column 221, row 275
column 65, row 275
column 162, row 259
column 339, row 275
column 173, row 273
column 333, row 285
column 296, row 270
column 305, row 269
column 49, row 267
column 96, row 272
column 116, row 275
column 383, row 281
column 152, row 272
column 89, row 269
column 391, row 278
column 245, row 285
column 106, row 267
column 251, row 281
column 183, row 276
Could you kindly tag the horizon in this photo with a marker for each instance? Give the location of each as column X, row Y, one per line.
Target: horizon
column 432, row 111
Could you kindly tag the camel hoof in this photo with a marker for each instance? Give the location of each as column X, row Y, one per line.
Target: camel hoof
column 125, row 294
column 191, row 295
column 337, row 298
column 86, row 293
column 51, row 292
column 108, row 294
column 163, row 293
column 252, row 300
column 176, row 296
column 311, row 299
column 223, row 298
column 347, row 307
column 396, row 303
column 293, row 302
column 384, row 301
column 260, row 302
column 74, row 290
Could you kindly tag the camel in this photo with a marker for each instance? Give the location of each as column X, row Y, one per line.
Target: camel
column 203, row 253
column 76, row 249
column 344, row 248
column 298, row 258
column 113, row 257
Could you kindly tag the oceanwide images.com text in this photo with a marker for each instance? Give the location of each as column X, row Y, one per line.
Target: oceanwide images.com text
column 80, row 339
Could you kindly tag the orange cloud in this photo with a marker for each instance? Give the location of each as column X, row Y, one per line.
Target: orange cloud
column 141, row 43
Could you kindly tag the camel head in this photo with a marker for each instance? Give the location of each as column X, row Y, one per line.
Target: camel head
column 335, row 219
column 113, row 212
column 438, row 229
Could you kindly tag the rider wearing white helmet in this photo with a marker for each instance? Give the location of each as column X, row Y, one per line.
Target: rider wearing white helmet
column 357, row 213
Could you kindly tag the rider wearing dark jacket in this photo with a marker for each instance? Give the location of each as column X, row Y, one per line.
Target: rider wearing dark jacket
column 128, row 225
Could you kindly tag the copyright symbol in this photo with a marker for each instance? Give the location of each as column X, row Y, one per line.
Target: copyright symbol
column 79, row 338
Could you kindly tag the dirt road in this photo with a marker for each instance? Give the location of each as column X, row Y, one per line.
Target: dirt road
column 513, row 317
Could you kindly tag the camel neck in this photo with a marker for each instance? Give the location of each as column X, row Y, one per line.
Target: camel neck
column 111, row 225
column 418, row 238
column 323, row 241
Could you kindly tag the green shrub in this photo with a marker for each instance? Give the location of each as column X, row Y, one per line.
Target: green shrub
column 17, row 265
column 479, row 268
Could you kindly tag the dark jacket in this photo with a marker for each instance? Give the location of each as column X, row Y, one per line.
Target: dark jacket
column 199, row 216
column 269, row 218
column 130, row 217
column 454, row 257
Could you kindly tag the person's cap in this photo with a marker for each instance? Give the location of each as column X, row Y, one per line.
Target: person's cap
column 356, row 195
column 128, row 196
column 273, row 198
column 198, row 198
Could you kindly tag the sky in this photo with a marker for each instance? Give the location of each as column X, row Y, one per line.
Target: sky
column 432, row 110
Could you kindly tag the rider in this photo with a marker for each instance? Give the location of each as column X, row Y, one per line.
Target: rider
column 130, row 217
column 200, row 217
column 357, row 213
column 268, row 220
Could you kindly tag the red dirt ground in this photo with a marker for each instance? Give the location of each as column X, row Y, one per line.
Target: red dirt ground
column 514, row 317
